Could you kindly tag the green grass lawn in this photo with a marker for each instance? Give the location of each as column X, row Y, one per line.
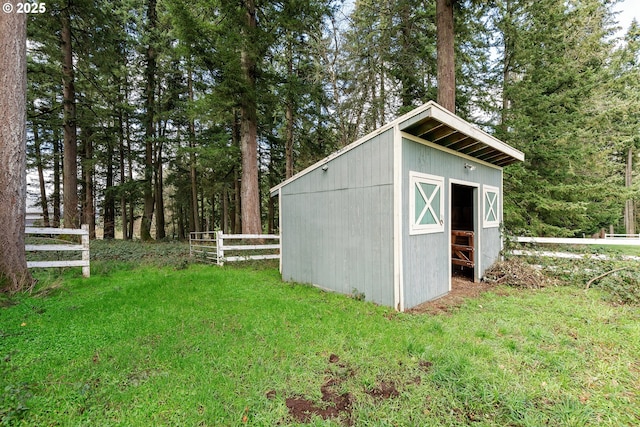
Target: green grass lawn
column 618, row 250
column 210, row 346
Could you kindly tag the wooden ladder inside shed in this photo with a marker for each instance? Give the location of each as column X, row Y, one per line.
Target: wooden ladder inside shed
column 462, row 248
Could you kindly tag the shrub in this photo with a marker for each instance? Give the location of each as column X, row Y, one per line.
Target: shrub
column 622, row 287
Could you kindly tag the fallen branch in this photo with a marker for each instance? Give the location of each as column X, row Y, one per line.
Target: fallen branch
column 604, row 274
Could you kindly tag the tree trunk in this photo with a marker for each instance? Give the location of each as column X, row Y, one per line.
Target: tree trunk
column 123, row 195
column 150, row 75
column 43, row 190
column 236, row 221
column 629, row 209
column 202, row 215
column 506, row 64
column 382, row 96
column 289, row 140
column 181, row 231
column 446, row 55
column 70, row 162
column 130, row 174
column 88, row 210
column 408, row 90
column 194, row 189
column 109, row 197
column 158, row 178
column 14, row 275
column 237, row 205
column 192, row 160
column 271, row 222
column 373, row 79
column 159, row 194
column 272, row 180
column 212, row 220
column 288, row 148
column 250, row 193
column 225, row 210
column 506, row 76
column 55, row 197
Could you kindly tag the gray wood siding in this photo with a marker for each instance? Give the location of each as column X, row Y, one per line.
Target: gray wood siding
column 337, row 225
column 426, row 257
column 489, row 248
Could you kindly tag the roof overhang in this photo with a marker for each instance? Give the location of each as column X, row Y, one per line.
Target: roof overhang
column 439, row 126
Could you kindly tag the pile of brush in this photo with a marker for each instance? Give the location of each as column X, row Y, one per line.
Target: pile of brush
column 517, row 273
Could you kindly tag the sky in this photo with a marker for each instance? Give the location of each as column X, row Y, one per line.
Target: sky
column 629, row 9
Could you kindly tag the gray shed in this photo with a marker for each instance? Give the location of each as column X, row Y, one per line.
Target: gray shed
column 396, row 213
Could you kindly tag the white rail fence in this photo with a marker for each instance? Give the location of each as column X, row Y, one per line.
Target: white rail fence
column 204, row 244
column 220, row 248
column 625, row 241
column 83, row 247
column 622, row 236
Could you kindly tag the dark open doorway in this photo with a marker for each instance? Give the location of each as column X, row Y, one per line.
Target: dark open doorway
column 463, row 226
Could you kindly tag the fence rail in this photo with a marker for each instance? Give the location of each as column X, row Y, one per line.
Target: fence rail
column 573, row 241
column 211, row 245
column 83, row 247
column 204, row 244
column 622, row 236
column 578, row 241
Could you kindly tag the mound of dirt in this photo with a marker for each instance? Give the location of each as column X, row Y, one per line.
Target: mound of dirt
column 332, row 406
column 384, row 390
column 338, row 406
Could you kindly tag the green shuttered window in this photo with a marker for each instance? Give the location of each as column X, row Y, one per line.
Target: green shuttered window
column 426, row 203
column 491, row 206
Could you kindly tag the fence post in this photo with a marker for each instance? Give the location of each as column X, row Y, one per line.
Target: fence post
column 220, row 247
column 86, row 270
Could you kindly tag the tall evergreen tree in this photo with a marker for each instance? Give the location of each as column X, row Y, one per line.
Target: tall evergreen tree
column 14, row 275
column 149, row 118
column 389, row 62
column 559, row 55
column 446, row 54
column 43, row 120
column 262, row 79
column 295, row 108
column 70, row 175
column 617, row 108
column 251, row 51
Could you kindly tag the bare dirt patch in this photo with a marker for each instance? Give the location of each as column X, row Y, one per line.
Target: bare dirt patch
column 336, row 403
column 384, row 390
column 462, row 288
column 425, row 365
column 333, row 405
column 514, row 273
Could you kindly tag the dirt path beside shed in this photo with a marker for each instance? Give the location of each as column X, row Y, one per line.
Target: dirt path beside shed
column 462, row 288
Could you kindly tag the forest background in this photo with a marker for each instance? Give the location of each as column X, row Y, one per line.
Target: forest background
column 144, row 109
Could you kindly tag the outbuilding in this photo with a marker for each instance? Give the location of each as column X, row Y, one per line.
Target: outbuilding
column 393, row 215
